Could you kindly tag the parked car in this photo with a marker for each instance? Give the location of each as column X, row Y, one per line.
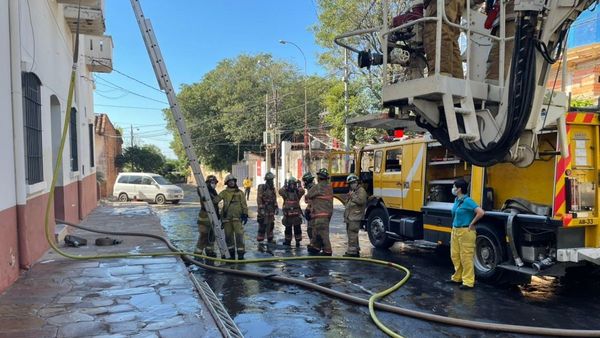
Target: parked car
column 146, row 186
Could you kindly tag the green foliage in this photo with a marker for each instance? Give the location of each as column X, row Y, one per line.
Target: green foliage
column 147, row 158
column 227, row 107
column 583, row 102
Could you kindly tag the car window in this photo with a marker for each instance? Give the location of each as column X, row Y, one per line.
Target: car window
column 377, row 160
column 135, row 180
column 147, row 181
column 123, row 179
column 393, row 160
column 161, row 180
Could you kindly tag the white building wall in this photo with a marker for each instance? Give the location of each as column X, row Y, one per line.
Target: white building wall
column 7, row 169
column 46, row 48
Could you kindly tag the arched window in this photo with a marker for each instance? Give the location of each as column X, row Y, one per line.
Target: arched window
column 32, row 111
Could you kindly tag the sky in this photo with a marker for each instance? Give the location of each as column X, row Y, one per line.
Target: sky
column 194, row 35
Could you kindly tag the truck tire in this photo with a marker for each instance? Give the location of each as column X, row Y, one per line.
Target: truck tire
column 489, row 253
column 377, row 225
column 123, row 197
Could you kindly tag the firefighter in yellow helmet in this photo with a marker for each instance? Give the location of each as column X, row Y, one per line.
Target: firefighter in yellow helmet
column 321, row 197
column 354, row 213
column 292, row 214
column 234, row 214
column 206, row 238
column 451, row 62
column 266, row 201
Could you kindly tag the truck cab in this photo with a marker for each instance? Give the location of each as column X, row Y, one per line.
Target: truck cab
column 540, row 220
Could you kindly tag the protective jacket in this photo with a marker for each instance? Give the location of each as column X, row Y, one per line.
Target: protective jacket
column 234, row 204
column 355, row 205
column 321, row 200
column 292, row 213
column 203, row 216
column 266, row 201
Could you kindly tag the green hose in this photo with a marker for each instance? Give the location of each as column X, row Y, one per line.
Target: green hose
column 186, row 256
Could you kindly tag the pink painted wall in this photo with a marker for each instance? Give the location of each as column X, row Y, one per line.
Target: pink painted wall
column 9, row 250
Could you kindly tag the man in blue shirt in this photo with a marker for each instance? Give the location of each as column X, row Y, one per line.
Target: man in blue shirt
column 465, row 214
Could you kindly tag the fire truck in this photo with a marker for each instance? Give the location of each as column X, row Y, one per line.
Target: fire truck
column 540, row 220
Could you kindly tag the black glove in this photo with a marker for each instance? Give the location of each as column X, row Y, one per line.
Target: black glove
column 244, row 219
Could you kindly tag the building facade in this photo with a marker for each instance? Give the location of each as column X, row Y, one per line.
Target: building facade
column 36, row 57
column 109, row 143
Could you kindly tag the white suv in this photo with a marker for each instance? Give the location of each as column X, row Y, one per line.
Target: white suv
column 146, row 186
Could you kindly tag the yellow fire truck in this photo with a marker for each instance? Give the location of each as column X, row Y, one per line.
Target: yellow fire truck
column 540, row 220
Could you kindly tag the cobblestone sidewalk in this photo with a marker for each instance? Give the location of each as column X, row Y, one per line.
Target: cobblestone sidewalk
column 145, row 297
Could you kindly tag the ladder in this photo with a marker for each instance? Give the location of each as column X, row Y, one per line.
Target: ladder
column 162, row 76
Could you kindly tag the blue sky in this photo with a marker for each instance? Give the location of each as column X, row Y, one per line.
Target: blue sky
column 194, row 35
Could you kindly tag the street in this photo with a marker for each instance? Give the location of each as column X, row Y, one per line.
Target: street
column 268, row 309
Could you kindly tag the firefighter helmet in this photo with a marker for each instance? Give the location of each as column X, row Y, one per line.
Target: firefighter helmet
column 323, row 173
column 229, row 178
column 269, row 176
column 292, row 180
column 352, row 178
column 308, row 177
column 211, row 179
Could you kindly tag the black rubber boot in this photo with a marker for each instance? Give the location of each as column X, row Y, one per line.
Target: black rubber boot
column 287, row 242
column 297, row 244
column 240, row 255
column 232, row 254
column 326, row 253
column 311, row 249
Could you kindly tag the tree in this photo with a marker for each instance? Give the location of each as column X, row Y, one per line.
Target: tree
column 147, row 158
column 227, row 107
column 342, row 16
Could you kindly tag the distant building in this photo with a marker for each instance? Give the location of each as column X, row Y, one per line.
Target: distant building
column 583, row 72
column 36, row 51
column 108, row 146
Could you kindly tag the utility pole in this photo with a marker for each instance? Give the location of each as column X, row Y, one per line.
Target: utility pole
column 276, row 137
column 346, row 108
column 131, row 134
column 266, row 138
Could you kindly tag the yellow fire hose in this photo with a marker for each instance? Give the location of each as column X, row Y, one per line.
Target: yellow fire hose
column 371, row 302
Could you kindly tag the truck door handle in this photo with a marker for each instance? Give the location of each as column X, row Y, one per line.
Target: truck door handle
column 406, row 185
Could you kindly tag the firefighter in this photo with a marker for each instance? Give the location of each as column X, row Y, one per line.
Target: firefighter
column 465, row 214
column 206, row 238
column 234, row 215
column 321, row 210
column 450, row 61
column 292, row 214
column 266, row 201
column 308, row 180
column 354, row 213
column 509, row 31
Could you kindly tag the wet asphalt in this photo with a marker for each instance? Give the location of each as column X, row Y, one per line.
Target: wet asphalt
column 269, row 309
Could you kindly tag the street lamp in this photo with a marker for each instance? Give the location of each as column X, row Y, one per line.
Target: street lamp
column 306, row 146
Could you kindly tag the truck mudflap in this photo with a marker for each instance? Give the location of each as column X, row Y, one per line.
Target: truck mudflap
column 577, row 255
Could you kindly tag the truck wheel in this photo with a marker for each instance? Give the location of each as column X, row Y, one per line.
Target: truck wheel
column 160, row 199
column 489, row 253
column 377, row 225
column 123, row 197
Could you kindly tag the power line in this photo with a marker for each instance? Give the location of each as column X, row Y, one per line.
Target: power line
column 127, row 76
column 127, row 107
column 129, row 91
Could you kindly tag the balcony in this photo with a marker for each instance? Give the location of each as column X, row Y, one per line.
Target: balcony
column 92, row 16
column 98, row 53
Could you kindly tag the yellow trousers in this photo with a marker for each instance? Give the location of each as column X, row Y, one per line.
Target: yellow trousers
column 462, row 251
